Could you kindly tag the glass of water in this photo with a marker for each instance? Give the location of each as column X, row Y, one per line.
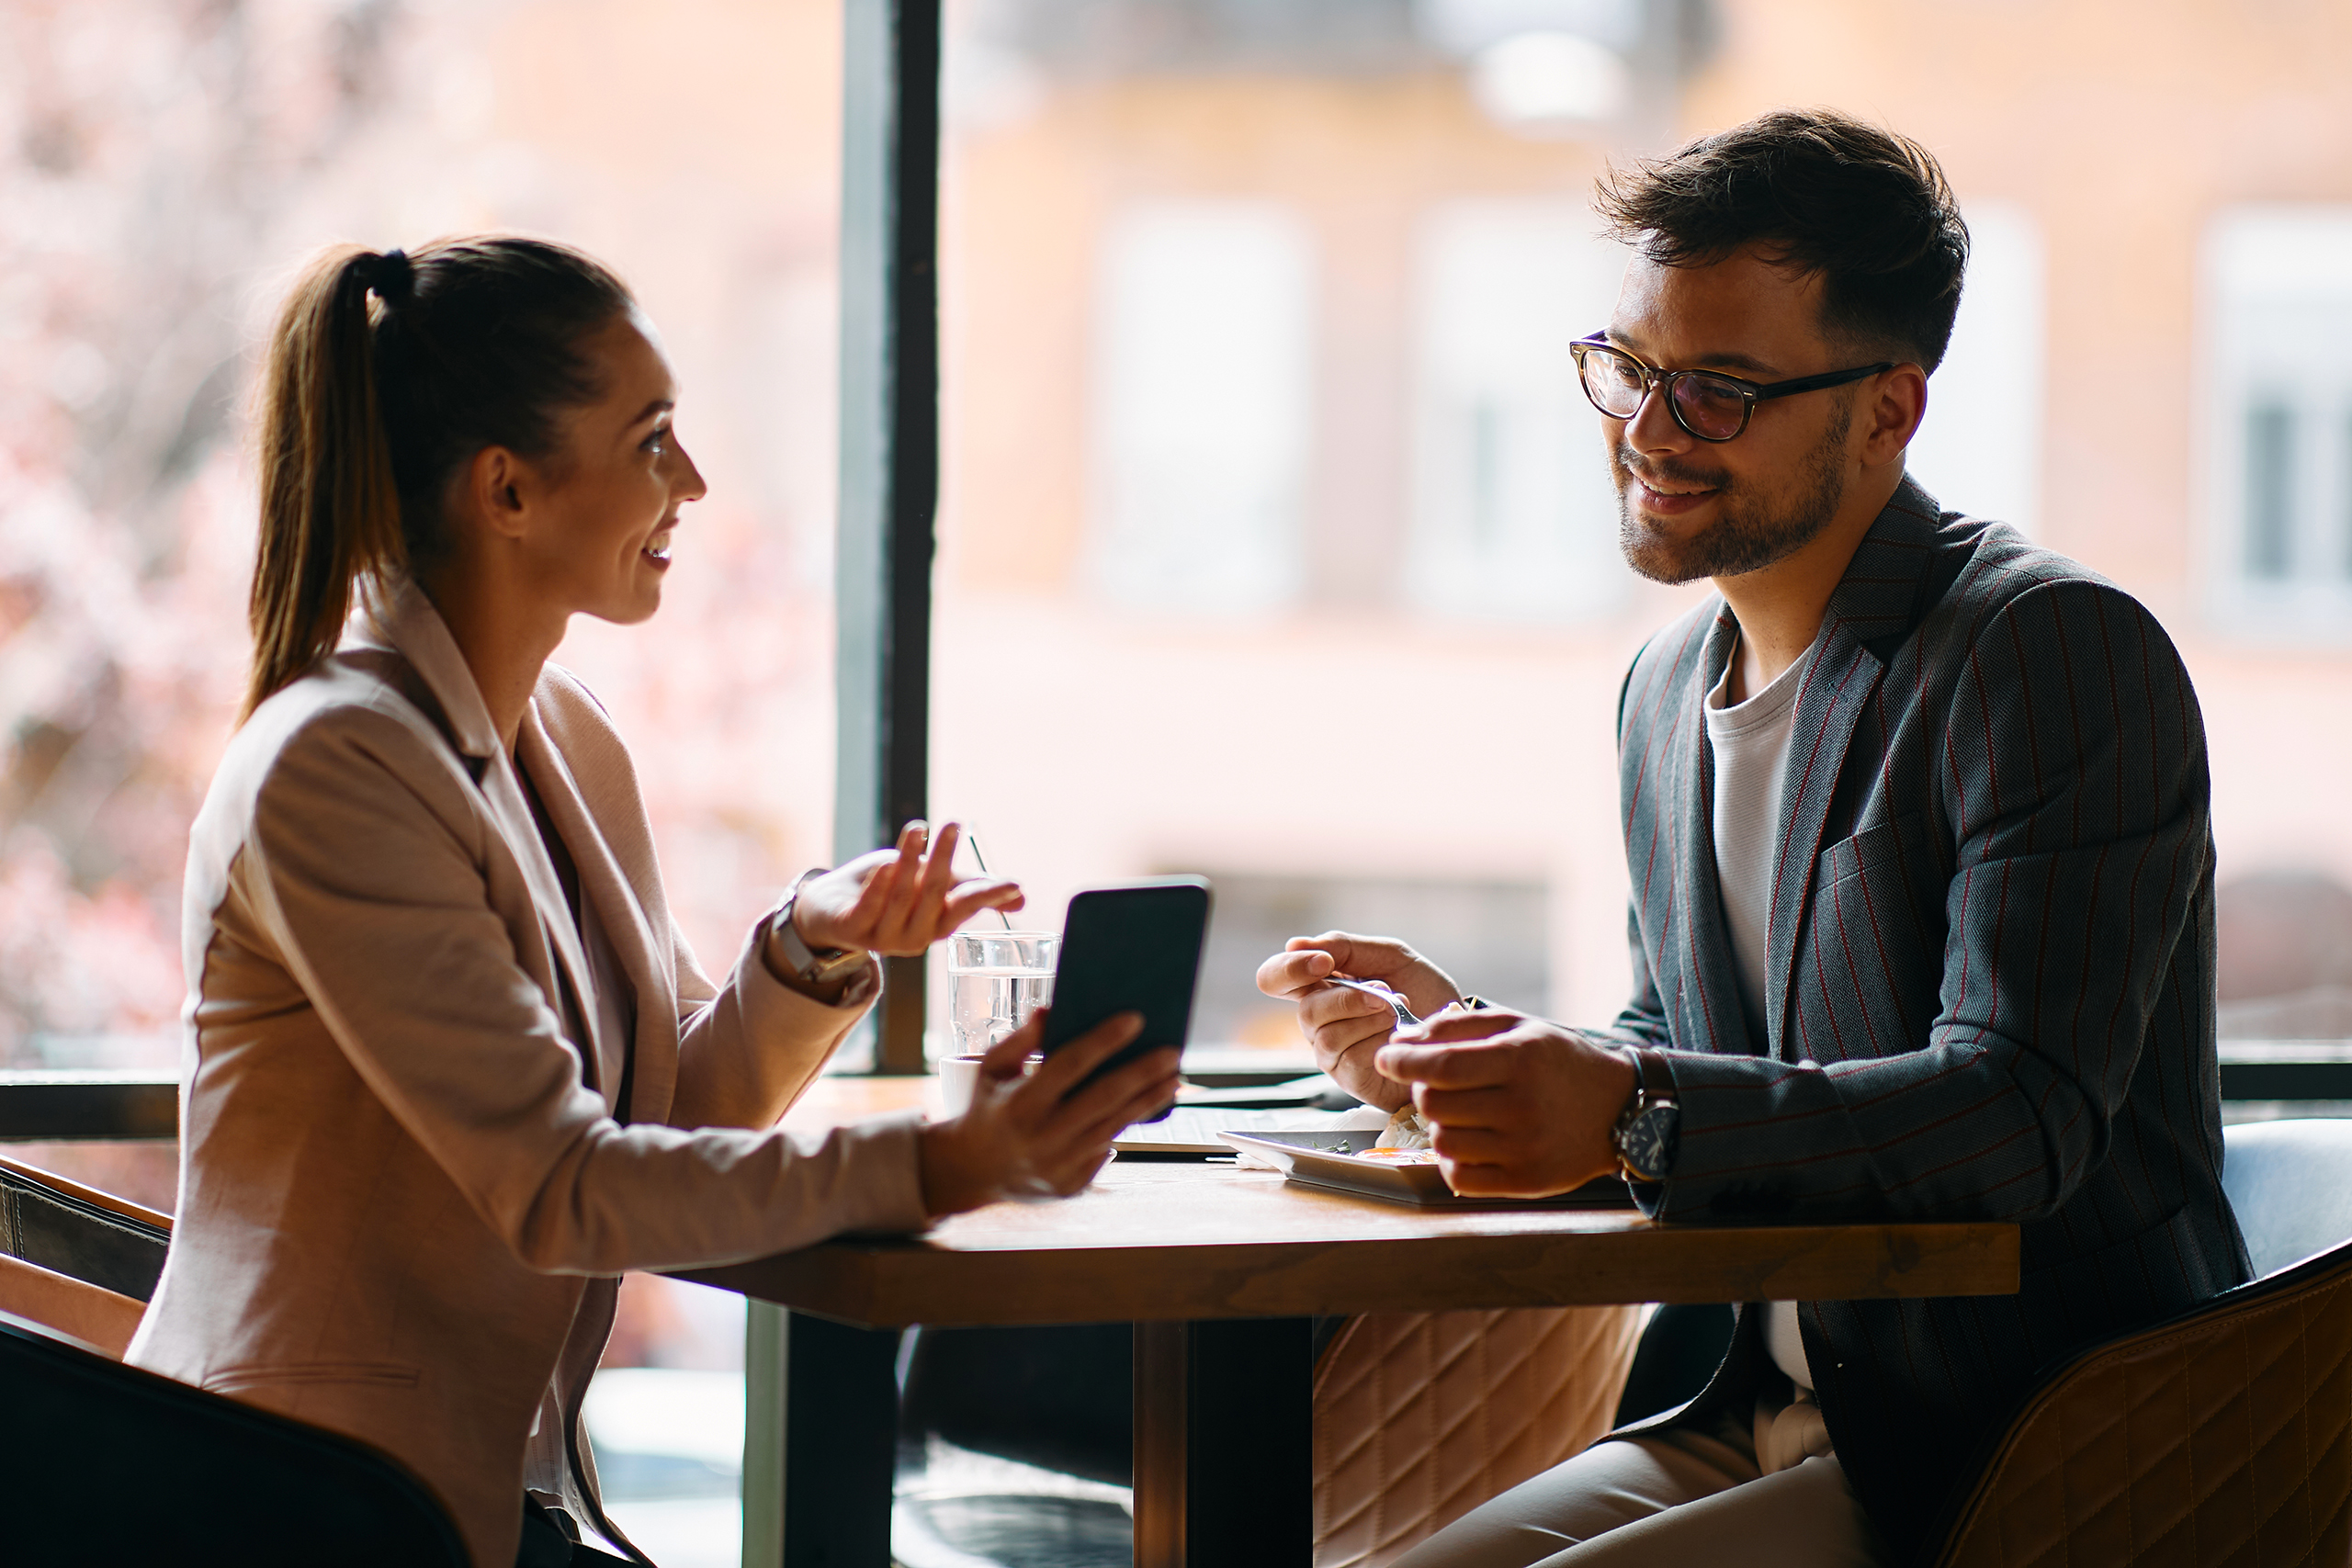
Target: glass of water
column 995, row 979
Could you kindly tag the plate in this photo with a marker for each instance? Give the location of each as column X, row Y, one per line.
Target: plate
column 1195, row 1131
column 1324, row 1159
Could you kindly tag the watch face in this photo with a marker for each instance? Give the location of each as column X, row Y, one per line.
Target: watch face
column 1647, row 1143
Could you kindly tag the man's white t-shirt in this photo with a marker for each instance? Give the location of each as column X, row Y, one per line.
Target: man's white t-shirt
column 1751, row 750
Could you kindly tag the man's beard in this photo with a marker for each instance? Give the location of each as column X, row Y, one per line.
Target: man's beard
column 1744, row 536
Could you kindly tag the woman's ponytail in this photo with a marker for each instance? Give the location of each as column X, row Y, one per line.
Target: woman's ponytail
column 368, row 411
column 330, row 512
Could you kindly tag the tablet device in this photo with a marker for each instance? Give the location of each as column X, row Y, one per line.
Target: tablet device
column 1133, row 948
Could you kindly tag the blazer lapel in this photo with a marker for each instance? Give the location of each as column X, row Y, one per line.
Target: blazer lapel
column 405, row 620
column 1873, row 604
column 1706, row 990
column 605, row 886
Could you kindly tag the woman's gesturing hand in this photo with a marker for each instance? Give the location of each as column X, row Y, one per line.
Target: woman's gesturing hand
column 1042, row 1135
column 896, row 901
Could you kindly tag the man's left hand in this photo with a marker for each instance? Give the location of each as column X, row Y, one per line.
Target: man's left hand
column 1520, row 1108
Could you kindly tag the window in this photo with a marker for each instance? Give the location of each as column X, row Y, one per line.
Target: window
column 2276, row 378
column 1979, row 449
column 1204, row 406
column 1514, row 514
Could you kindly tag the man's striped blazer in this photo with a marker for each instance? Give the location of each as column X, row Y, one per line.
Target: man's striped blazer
column 1989, row 973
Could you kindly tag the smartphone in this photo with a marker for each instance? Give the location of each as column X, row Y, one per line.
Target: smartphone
column 1135, row 948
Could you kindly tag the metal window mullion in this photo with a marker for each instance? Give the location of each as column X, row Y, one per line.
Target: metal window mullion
column 889, row 453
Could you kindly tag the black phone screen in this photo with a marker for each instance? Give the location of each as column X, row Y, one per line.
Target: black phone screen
column 1131, row 949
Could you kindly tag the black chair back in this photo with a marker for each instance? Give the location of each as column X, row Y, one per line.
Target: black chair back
column 105, row 1464
column 1058, row 1398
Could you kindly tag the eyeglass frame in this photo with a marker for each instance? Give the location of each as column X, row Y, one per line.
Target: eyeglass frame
column 1655, row 379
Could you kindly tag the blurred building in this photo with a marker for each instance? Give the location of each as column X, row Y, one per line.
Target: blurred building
column 1277, row 544
column 1276, row 540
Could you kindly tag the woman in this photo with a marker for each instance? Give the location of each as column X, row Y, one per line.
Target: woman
column 450, row 1069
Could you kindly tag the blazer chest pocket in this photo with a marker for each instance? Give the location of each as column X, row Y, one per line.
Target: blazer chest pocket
column 1870, row 982
column 1870, row 850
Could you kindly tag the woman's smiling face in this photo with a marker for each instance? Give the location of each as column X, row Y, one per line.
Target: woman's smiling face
column 617, row 484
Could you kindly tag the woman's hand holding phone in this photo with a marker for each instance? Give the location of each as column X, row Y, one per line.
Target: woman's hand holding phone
column 898, row 901
column 1041, row 1134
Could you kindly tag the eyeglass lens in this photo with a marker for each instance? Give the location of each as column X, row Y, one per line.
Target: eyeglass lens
column 1710, row 407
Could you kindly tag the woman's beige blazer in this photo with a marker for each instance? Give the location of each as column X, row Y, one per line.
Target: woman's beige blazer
column 404, row 1192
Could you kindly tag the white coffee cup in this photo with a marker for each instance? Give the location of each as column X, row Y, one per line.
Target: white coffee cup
column 958, row 1075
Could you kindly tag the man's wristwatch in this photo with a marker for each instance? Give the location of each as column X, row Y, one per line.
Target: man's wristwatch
column 812, row 967
column 1647, row 1129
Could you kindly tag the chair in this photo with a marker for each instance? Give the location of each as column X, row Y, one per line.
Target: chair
column 78, row 1260
column 106, row 1464
column 1419, row 1418
column 2223, row 1435
column 1680, row 1349
column 2290, row 1183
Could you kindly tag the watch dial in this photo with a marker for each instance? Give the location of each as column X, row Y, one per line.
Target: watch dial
column 1648, row 1142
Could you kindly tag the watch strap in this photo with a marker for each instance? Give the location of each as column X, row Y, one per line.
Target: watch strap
column 1657, row 1082
column 1652, row 1091
column 809, row 965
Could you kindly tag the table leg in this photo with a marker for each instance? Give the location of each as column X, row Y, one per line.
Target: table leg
column 1224, row 1446
column 840, row 1443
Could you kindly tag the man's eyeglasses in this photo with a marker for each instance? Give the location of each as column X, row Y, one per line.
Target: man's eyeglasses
column 1709, row 405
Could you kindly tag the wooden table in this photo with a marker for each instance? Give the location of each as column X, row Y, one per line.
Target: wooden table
column 1222, row 1270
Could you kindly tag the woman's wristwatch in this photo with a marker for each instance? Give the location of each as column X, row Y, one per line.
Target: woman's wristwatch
column 1648, row 1127
column 812, row 967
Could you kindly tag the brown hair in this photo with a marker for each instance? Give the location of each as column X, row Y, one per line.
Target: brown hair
column 370, row 407
column 1868, row 210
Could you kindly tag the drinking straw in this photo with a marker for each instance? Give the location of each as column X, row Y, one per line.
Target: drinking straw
column 982, row 861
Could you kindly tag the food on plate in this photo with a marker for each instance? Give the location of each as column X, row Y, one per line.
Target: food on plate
column 1405, row 1129
column 1405, row 1140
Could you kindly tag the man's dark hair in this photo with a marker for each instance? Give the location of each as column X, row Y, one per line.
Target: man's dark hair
column 1820, row 191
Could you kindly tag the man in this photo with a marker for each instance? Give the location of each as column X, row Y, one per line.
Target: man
column 1922, row 913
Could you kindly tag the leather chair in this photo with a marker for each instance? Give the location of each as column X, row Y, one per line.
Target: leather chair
column 108, row 1465
column 1421, row 1416
column 2223, row 1435
column 1418, row 1417
column 78, row 1260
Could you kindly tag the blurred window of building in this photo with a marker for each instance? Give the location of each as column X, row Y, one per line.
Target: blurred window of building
column 1514, row 514
column 1203, row 405
column 2277, row 393
column 1542, row 66
column 2283, row 945
column 1979, row 448
column 1099, row 39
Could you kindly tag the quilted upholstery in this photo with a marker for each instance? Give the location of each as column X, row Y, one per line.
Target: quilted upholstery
column 2222, row 1438
column 1421, row 1416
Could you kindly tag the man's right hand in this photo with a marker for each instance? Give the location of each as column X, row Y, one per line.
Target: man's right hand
column 1347, row 1027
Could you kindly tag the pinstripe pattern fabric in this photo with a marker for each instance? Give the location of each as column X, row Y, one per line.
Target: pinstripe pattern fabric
column 1990, row 973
